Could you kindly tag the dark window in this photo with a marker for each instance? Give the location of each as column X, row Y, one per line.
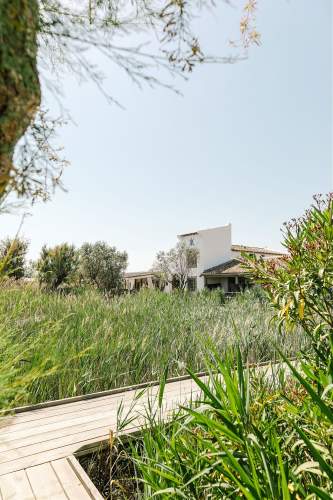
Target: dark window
column 192, row 260
column 175, row 283
column 192, row 284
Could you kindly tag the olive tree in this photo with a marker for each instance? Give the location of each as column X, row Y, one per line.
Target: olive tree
column 174, row 266
column 103, row 266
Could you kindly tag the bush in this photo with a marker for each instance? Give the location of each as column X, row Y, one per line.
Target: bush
column 300, row 285
column 57, row 266
column 103, row 266
column 13, row 257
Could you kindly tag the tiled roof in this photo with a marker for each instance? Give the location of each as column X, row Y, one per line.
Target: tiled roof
column 139, row 275
column 230, row 268
column 245, row 248
column 187, row 234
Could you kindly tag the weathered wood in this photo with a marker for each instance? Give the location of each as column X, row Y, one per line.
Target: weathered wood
column 96, row 395
column 57, row 439
column 19, row 440
column 16, row 486
column 35, row 417
column 51, row 425
column 84, row 478
column 71, row 483
column 44, row 483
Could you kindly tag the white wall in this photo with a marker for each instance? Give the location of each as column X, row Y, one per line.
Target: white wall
column 214, row 247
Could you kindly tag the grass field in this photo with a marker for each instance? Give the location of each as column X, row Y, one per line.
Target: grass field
column 98, row 344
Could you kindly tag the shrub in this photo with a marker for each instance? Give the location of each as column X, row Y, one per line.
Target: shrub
column 13, row 257
column 300, row 285
column 103, row 266
column 57, row 266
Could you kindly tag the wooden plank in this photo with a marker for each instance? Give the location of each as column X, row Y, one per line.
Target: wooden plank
column 137, row 387
column 71, row 483
column 64, row 451
column 9, row 443
column 44, row 483
column 56, row 422
column 70, row 439
column 15, row 420
column 84, row 478
column 12, row 444
column 16, row 486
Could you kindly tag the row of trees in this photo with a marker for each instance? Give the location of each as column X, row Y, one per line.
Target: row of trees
column 98, row 264
column 64, row 266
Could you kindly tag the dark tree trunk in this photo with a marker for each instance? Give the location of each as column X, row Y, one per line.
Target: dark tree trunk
column 19, row 83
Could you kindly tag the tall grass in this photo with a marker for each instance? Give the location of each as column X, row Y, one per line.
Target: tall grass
column 102, row 344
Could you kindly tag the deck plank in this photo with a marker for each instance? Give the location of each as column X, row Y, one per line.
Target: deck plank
column 71, row 483
column 50, row 426
column 44, row 483
column 16, row 486
column 84, row 478
column 66, row 434
column 57, row 440
column 29, row 420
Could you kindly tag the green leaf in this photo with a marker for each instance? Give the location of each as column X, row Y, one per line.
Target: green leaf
column 326, row 410
column 319, row 492
column 162, row 384
column 315, row 454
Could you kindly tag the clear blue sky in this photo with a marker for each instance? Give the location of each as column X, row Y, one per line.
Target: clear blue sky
column 247, row 143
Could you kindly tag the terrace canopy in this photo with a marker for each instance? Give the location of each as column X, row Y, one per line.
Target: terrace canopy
column 229, row 275
column 138, row 280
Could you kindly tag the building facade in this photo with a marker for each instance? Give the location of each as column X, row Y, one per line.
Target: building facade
column 218, row 262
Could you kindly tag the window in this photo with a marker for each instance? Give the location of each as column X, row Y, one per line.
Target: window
column 192, row 284
column 192, row 260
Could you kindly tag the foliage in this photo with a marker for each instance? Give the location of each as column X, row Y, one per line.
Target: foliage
column 174, row 266
column 13, row 257
column 57, row 266
column 131, row 338
column 253, row 434
column 103, row 266
column 301, row 284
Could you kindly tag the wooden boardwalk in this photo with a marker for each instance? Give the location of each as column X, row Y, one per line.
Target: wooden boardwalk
column 37, row 444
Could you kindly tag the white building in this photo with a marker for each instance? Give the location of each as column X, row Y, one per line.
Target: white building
column 218, row 264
